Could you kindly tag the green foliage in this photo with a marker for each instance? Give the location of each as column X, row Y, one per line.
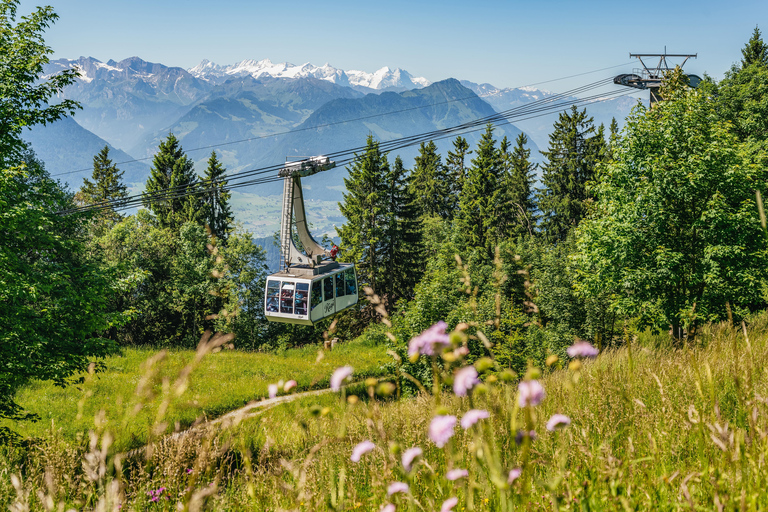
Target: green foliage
column 456, row 171
column 519, row 188
column 178, row 287
column 430, row 185
column 243, row 281
column 675, row 235
column 365, row 210
column 172, row 169
column 575, row 149
column 481, row 196
column 755, row 51
column 674, row 84
column 402, row 237
column 217, row 214
column 107, row 186
column 25, row 98
column 54, row 297
column 742, row 100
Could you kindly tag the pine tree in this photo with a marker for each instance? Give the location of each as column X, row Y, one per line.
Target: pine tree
column 364, row 207
column 403, row 240
column 613, row 139
column 574, row 152
column 107, row 186
column 217, row 213
column 520, row 180
column 755, row 51
column 456, row 170
column 172, row 169
column 429, row 183
column 481, row 195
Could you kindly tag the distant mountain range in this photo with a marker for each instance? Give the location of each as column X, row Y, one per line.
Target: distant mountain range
column 385, row 79
column 257, row 113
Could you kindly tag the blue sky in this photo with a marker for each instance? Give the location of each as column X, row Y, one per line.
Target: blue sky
column 505, row 43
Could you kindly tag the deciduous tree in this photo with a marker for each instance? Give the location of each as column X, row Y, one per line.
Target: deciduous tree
column 675, row 235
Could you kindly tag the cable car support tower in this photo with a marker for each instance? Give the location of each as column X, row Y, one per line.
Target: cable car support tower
column 650, row 77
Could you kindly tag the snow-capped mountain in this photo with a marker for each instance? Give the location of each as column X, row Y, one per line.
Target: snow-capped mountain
column 384, row 78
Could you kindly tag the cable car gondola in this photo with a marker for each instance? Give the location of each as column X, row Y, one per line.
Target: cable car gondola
column 310, row 285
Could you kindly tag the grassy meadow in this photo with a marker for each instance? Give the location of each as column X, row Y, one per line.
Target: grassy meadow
column 652, row 427
column 131, row 388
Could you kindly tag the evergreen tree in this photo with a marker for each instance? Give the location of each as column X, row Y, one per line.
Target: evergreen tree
column 755, row 51
column 519, row 187
column 107, row 185
column 574, row 152
column 613, row 138
column 429, row 184
column 456, row 170
column 172, row 169
column 364, row 207
column 217, row 213
column 403, row 239
column 481, row 195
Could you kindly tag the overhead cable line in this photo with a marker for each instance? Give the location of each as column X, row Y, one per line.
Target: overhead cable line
column 525, row 109
column 371, row 116
column 345, row 156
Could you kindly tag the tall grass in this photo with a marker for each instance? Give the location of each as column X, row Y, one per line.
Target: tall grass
column 652, row 428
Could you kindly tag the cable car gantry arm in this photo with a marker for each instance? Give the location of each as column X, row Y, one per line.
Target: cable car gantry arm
column 293, row 204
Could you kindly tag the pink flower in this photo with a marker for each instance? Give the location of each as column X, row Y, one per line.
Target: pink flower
column 531, row 393
column 465, row 379
column 514, row 475
column 426, row 342
column 449, row 504
column 582, row 349
column 289, row 385
column 455, row 474
column 339, row 376
column 396, row 487
column 441, row 429
column 473, row 416
column 361, row 449
column 272, row 388
column 558, row 421
column 387, row 508
column 409, row 455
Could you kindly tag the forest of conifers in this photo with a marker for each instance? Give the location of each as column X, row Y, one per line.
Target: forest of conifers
column 655, row 226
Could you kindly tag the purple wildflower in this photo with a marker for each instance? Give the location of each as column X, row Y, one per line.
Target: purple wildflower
column 388, row 507
column 522, row 434
column 189, row 471
column 558, row 421
column 441, row 429
column 426, row 342
column 531, row 393
column 465, row 379
column 514, row 475
column 272, row 388
column 449, row 504
column 473, row 416
column 455, row 474
column 582, row 349
column 396, row 487
column 409, row 455
column 289, row 385
column 361, row 449
column 338, row 377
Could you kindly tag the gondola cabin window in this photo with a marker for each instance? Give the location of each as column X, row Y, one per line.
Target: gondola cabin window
column 294, row 298
column 286, row 298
